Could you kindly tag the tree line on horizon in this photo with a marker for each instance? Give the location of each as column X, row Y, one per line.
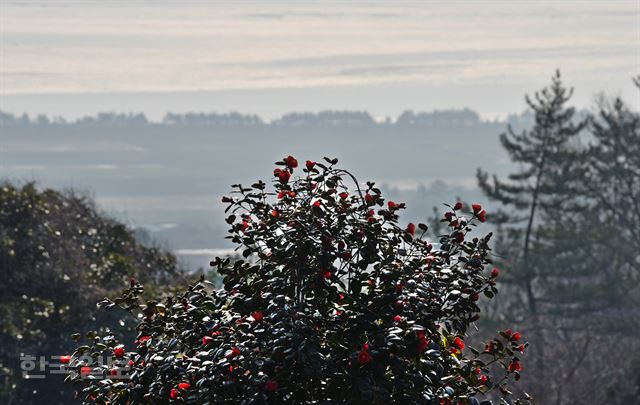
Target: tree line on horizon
column 328, row 118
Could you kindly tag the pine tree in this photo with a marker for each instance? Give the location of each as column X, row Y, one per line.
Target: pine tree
column 612, row 173
column 596, row 239
column 543, row 154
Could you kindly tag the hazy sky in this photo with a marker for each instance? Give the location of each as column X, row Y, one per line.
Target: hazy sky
column 76, row 57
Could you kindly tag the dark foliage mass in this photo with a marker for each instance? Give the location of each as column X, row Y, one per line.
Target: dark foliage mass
column 58, row 256
column 334, row 302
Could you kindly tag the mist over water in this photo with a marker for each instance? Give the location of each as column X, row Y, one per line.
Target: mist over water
column 167, row 179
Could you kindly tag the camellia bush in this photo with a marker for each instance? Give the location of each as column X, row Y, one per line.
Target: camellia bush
column 334, row 301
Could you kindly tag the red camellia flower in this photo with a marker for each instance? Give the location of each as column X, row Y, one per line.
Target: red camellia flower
column 85, row 370
column 118, row 351
column 310, row 164
column 271, row 386
column 458, row 343
column 368, row 198
column 346, row 256
column 515, row 366
column 142, row 339
column 277, row 171
column 364, row 356
column 184, row 385
column 520, row 348
column 458, row 206
column 66, row 359
column 411, row 229
column 495, row 272
column 257, row 316
column 516, row 336
column 292, row 163
column 448, row 215
column 206, row 340
column 392, row 205
column 482, row 216
column 476, row 208
column 234, row 352
column 245, row 226
column 423, row 342
column 174, row 394
column 483, row 379
column 397, row 318
column 327, row 275
column 284, row 176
